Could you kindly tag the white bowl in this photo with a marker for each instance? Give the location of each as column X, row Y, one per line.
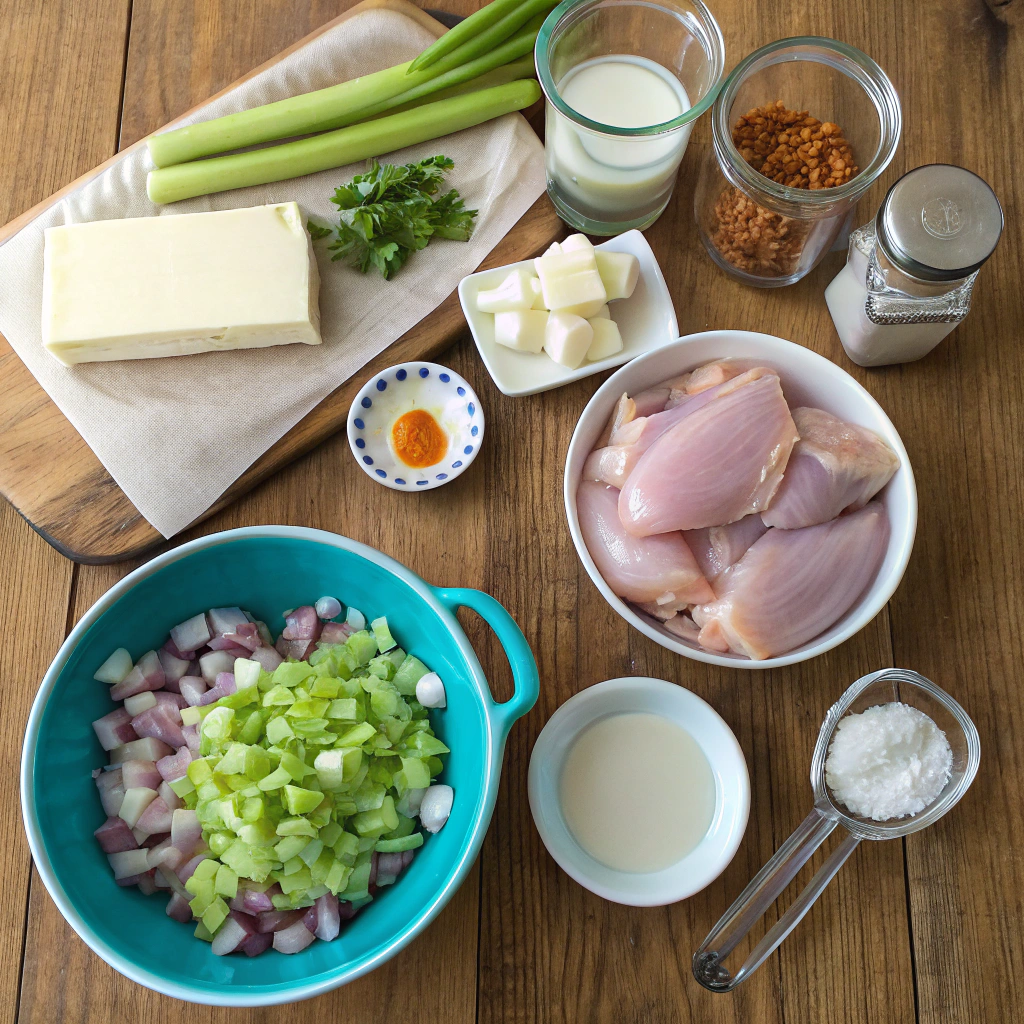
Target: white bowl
column 397, row 390
column 647, row 320
column 807, row 379
column 702, row 865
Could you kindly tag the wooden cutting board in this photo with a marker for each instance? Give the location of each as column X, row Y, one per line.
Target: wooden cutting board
column 50, row 475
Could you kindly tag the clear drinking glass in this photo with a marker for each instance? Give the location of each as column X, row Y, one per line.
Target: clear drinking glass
column 768, row 234
column 882, row 687
column 605, row 179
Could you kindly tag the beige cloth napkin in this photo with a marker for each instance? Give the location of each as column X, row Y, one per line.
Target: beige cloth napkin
column 174, row 433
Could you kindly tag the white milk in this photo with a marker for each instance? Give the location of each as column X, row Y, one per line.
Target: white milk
column 637, row 792
column 608, row 177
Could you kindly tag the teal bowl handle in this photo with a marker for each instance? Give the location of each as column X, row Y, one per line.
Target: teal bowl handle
column 517, row 650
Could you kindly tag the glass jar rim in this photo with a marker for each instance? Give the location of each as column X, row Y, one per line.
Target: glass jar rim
column 548, row 85
column 877, row 86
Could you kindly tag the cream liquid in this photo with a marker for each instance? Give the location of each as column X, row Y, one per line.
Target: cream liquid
column 637, row 792
column 606, row 174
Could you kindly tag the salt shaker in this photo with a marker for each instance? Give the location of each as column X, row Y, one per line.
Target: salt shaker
column 910, row 272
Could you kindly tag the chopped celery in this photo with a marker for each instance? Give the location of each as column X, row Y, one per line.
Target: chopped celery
column 408, row 675
column 183, row 786
column 347, row 848
column 275, row 780
column 278, row 695
column 325, row 687
column 311, row 852
column 362, row 646
column 345, row 709
column 401, row 844
column 295, row 827
column 202, row 932
column 356, row 736
column 226, row 882
column 278, row 730
column 301, row 801
column 215, row 915
column 291, row 673
column 381, row 633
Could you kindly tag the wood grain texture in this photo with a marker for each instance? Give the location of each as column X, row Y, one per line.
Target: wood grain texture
column 923, row 930
column 178, row 57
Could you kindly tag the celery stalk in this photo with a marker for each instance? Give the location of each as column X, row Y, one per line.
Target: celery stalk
column 466, row 29
column 341, row 147
column 515, row 48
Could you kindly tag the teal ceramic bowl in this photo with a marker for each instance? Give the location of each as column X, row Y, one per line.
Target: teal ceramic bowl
column 264, row 569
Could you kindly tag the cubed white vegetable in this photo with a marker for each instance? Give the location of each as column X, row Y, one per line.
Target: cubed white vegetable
column 567, row 339
column 575, row 242
column 521, row 329
column 436, row 806
column 550, row 250
column 607, row 340
column 619, row 273
column 538, row 294
column 139, row 703
column 430, row 691
column 570, row 279
column 604, row 313
column 587, row 310
column 514, row 292
column 247, row 673
column 129, row 863
column 115, row 668
column 134, row 803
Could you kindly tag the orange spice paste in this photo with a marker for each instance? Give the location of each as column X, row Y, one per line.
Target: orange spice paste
column 418, row 439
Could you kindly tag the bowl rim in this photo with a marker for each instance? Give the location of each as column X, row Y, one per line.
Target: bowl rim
column 367, row 391
column 281, row 992
column 866, row 611
column 729, row 756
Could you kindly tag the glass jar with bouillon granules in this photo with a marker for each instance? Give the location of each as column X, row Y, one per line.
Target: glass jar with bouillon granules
column 801, row 128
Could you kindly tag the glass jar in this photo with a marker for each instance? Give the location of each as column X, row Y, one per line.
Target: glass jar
column 663, row 61
column 910, row 272
column 762, row 231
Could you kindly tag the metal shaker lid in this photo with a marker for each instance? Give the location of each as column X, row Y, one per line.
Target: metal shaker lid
column 939, row 222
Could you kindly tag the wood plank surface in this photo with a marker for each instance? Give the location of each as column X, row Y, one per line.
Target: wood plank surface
column 176, row 63
column 923, row 930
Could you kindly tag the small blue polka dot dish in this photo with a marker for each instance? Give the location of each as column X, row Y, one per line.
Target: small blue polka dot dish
column 401, row 389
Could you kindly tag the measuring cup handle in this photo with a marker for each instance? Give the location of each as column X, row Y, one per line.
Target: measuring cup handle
column 766, row 886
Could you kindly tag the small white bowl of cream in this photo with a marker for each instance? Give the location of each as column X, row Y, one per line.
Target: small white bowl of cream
column 639, row 791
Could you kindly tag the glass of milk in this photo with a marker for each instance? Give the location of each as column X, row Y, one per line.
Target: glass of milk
column 623, row 81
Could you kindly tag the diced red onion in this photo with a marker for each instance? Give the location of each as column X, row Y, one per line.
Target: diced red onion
column 111, row 790
column 145, row 749
column 232, row 933
column 174, row 766
column 256, row 944
column 173, row 651
column 187, row 870
column 328, row 918
column 190, row 635
column 140, row 775
column 215, row 662
column 192, row 689
column 255, row 902
column 224, row 620
column 393, row 863
column 149, row 842
column 171, row 686
column 186, row 832
column 335, row 633
column 147, row 884
column 129, row 863
column 328, row 607
column 156, row 818
column 222, row 643
column 139, row 703
column 346, row 911
column 309, row 918
column 191, row 734
column 174, row 700
column 178, row 909
column 165, row 855
column 174, row 668
column 114, row 836
column 265, row 635
column 168, row 795
column 137, row 680
column 273, row 920
column 302, row 624
column 247, row 635
column 268, row 658
column 300, row 650
column 293, row 939
column 115, row 729
column 374, row 862
column 129, row 880
column 162, row 722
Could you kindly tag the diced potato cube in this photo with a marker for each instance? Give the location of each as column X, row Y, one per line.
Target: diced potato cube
column 577, row 242
column 607, row 340
column 619, row 272
column 538, row 294
column 550, row 250
column 571, row 279
column 515, row 292
column 587, row 310
column 521, row 329
column 604, row 313
column 567, row 339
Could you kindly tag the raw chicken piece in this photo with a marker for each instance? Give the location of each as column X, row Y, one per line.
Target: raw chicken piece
column 684, row 627
column 718, row 547
column 792, row 585
column 708, row 376
column 654, row 399
column 721, row 461
column 659, row 569
column 624, row 412
column 629, row 439
column 834, row 466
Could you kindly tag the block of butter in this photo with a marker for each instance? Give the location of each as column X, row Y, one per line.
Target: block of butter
column 175, row 285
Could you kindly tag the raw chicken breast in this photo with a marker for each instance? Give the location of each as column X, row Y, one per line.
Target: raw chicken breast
column 834, row 466
column 721, row 461
column 659, row 569
column 708, row 376
column 792, row 585
column 718, row 547
column 629, row 438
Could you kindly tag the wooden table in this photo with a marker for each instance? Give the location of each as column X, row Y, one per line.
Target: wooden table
column 927, row 928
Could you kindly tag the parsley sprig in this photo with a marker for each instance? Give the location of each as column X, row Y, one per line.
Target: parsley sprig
column 390, row 212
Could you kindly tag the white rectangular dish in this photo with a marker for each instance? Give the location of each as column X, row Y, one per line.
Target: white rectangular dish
column 646, row 320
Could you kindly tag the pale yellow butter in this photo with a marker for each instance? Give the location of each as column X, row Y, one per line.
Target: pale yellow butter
column 179, row 284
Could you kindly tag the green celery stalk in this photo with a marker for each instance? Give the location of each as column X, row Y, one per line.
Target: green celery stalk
column 511, row 72
column 341, row 147
column 518, row 46
column 466, row 29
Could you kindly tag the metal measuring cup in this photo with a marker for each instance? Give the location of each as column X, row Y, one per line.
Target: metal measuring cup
column 882, row 687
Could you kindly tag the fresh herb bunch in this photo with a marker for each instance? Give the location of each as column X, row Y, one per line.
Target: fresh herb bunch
column 389, row 213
